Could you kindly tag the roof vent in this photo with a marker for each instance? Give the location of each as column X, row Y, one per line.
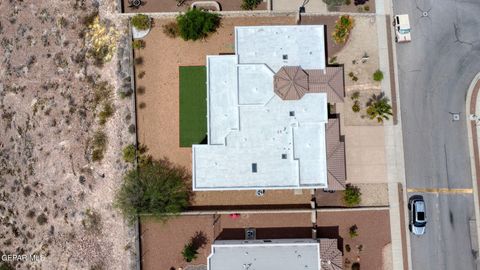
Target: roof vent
column 285, row 57
column 284, row 156
column 254, row 167
column 292, row 113
column 260, row 192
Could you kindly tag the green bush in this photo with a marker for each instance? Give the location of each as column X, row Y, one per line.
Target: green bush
column 378, row 75
column 343, row 25
column 196, row 24
column 352, row 195
column 355, row 95
column 189, row 252
column 250, row 4
column 138, row 44
column 356, row 106
column 157, row 187
column 141, row 21
column 353, row 231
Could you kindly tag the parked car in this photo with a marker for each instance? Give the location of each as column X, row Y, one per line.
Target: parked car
column 402, row 28
column 417, row 217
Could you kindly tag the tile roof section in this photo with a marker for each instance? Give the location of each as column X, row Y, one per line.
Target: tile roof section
column 336, row 175
column 291, row 83
column 331, row 257
column 328, row 81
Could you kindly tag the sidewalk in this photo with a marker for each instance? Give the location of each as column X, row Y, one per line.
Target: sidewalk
column 473, row 126
column 393, row 139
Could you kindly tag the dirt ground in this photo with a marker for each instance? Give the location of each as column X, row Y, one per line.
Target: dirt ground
column 53, row 201
column 158, row 117
column 162, row 243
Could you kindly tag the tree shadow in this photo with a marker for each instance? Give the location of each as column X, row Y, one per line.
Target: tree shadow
column 199, row 240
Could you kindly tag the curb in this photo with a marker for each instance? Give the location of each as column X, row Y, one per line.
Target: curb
column 472, row 142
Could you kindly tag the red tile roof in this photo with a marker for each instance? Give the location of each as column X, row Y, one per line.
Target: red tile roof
column 330, row 256
column 328, row 81
column 336, row 176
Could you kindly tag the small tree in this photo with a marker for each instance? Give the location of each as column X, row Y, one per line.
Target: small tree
column 129, row 153
column 189, row 252
column 158, row 187
column 250, row 4
column 356, row 106
column 141, row 21
column 379, row 108
column 378, row 75
column 196, row 24
column 352, row 195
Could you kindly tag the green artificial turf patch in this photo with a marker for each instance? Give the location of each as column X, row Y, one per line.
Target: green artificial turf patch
column 193, row 105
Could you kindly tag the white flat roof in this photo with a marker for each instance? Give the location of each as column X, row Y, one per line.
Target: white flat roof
column 304, row 45
column 294, row 254
column 256, row 140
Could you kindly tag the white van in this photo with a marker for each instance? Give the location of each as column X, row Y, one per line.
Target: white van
column 402, row 28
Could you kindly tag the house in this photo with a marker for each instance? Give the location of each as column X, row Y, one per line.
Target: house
column 286, row 254
column 268, row 115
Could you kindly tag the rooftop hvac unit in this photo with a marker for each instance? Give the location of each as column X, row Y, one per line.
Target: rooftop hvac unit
column 260, row 192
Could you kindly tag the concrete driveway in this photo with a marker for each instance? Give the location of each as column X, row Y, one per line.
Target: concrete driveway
column 435, row 70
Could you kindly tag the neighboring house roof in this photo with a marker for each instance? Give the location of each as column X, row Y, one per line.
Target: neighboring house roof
column 330, row 256
column 328, row 81
column 270, row 254
column 335, row 156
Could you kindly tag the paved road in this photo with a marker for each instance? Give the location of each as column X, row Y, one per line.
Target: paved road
column 435, row 70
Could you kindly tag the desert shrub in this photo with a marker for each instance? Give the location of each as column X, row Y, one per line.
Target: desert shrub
column 343, row 25
column 196, row 24
column 355, row 95
column 250, row 4
column 356, row 106
column 157, row 187
column 138, row 44
column 171, row 29
column 42, row 219
column 348, row 248
column 356, row 266
column 99, row 143
column 141, row 21
column 102, row 92
column 100, row 40
column 378, row 75
column 379, row 108
column 129, row 153
column 107, row 111
column 92, row 221
column 366, row 8
column 353, row 231
column 189, row 252
column 352, row 195
column 132, row 129
column 6, row 266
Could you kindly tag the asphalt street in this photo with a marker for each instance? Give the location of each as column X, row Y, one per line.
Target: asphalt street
column 435, row 71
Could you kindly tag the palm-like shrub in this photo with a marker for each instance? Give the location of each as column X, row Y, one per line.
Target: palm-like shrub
column 343, row 25
column 157, row 187
column 196, row 24
column 378, row 75
column 379, row 108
